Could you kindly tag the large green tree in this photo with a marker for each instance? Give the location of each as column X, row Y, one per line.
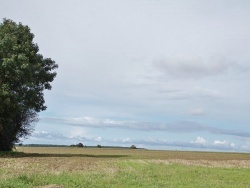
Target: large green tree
column 24, row 75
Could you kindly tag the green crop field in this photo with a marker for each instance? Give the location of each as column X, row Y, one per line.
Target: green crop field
column 63, row 167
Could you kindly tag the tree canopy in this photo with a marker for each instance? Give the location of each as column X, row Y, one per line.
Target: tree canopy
column 24, row 75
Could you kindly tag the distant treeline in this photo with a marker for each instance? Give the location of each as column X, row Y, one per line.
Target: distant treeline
column 55, row 145
column 40, row 145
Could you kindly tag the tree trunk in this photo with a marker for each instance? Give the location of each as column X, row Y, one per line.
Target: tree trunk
column 6, row 141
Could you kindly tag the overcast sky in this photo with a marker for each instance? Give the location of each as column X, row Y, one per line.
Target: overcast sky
column 158, row 74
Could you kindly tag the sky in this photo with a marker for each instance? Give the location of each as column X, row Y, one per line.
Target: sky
column 158, row 74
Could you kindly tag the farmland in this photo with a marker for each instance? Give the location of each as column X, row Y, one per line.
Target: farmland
column 100, row 167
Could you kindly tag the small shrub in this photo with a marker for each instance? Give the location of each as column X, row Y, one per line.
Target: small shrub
column 99, row 146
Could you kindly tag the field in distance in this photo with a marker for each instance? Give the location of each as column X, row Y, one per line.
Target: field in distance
column 67, row 167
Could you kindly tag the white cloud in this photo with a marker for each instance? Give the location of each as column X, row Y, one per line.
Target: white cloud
column 98, row 139
column 199, row 143
column 200, row 140
column 77, row 132
column 126, row 140
column 224, row 144
column 218, row 142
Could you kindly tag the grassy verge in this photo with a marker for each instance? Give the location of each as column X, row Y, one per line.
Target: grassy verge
column 138, row 174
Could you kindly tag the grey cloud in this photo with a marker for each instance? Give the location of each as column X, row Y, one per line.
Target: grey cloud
column 181, row 126
column 196, row 112
column 186, row 66
column 47, row 135
column 231, row 132
column 193, row 93
column 177, row 127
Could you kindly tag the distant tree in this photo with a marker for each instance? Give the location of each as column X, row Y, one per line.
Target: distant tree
column 24, row 75
column 133, row 147
column 99, row 146
column 80, row 145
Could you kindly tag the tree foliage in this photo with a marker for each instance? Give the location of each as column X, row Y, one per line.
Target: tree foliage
column 24, row 75
column 80, row 145
column 133, row 147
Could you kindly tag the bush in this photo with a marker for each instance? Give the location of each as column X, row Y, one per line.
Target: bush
column 99, row 146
